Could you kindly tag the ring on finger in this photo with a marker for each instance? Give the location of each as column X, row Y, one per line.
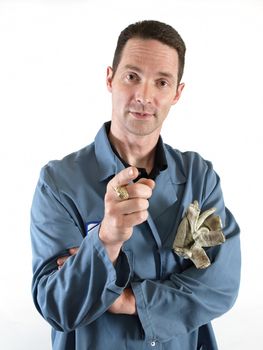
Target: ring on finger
column 121, row 192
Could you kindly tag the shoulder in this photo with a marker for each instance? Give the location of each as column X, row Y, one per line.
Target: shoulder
column 198, row 174
column 188, row 161
column 70, row 168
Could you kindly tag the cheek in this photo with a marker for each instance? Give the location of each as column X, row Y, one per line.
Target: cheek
column 164, row 103
column 121, row 98
column 117, row 101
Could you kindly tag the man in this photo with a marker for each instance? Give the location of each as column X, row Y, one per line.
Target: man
column 104, row 220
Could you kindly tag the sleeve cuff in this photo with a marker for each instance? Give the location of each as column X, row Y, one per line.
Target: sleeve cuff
column 142, row 311
column 119, row 275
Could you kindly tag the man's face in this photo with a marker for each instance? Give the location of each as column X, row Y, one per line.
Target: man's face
column 144, row 86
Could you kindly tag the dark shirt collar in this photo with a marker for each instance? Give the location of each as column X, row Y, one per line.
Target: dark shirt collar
column 160, row 161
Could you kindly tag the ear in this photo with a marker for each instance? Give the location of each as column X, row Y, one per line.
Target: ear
column 179, row 90
column 109, row 78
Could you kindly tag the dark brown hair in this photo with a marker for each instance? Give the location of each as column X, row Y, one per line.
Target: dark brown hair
column 151, row 30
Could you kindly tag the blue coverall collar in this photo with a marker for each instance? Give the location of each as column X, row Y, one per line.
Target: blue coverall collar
column 109, row 164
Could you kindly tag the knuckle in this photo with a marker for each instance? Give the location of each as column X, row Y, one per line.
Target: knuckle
column 142, row 204
column 150, row 192
column 141, row 216
column 145, row 216
column 141, row 190
column 146, row 204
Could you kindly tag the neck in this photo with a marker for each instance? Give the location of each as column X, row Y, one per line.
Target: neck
column 136, row 151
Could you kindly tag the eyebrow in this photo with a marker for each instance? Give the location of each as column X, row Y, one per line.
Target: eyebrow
column 137, row 69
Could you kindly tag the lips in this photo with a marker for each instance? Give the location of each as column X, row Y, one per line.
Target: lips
column 141, row 115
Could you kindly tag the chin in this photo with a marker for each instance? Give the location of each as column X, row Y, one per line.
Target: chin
column 142, row 129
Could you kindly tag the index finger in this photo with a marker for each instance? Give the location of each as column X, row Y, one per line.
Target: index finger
column 124, row 177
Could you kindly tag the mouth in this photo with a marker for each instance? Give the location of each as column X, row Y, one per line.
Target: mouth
column 141, row 116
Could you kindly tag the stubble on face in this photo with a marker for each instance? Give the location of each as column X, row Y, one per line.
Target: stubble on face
column 140, row 107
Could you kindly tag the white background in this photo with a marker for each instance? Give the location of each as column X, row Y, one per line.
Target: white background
column 53, row 99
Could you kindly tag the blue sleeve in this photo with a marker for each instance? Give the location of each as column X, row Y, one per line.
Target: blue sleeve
column 194, row 297
column 87, row 284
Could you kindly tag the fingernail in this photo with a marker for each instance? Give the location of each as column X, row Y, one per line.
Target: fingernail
column 131, row 172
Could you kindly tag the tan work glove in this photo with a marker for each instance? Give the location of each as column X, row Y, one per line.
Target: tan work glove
column 197, row 231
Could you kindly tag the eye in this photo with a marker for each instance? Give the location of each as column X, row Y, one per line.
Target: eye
column 162, row 83
column 132, row 77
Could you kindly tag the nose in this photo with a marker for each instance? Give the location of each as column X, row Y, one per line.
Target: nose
column 144, row 94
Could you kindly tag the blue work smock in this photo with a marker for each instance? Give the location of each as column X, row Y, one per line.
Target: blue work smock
column 175, row 300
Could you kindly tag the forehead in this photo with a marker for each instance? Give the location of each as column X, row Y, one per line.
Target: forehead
column 151, row 54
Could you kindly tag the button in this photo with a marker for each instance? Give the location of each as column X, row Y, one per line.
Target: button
column 153, row 343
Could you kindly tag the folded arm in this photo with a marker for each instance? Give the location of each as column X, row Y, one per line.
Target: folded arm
column 90, row 282
column 186, row 300
column 124, row 304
